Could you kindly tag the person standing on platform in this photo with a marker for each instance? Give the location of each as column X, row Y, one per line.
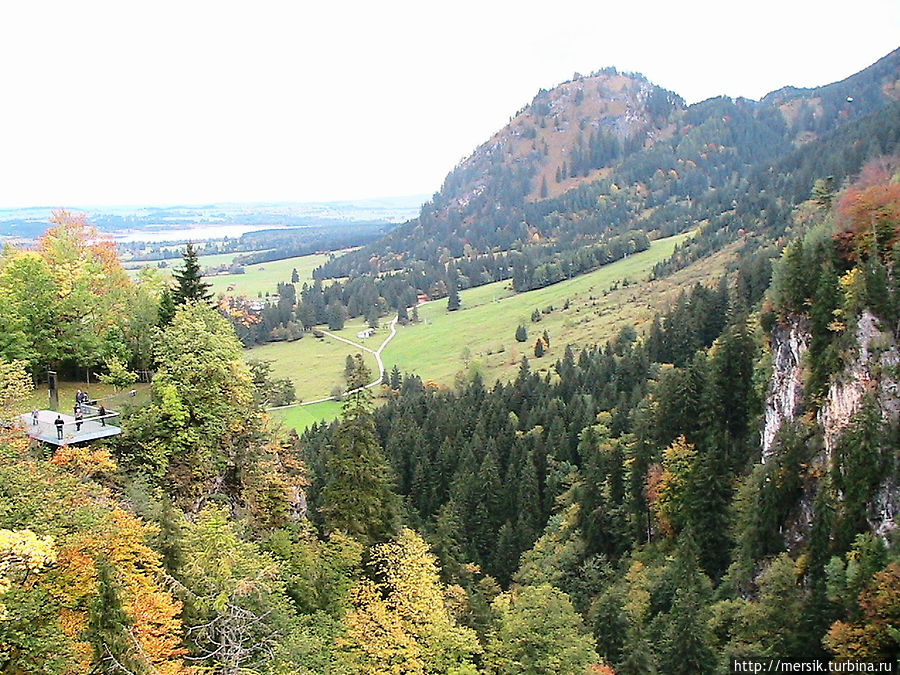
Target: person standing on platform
column 79, row 418
column 101, row 413
column 59, row 426
column 34, row 417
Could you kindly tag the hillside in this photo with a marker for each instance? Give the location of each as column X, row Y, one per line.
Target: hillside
column 611, row 153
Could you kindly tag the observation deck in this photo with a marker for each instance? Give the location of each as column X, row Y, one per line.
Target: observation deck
column 93, row 427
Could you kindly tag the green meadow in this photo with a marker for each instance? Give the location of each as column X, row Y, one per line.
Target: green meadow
column 257, row 279
column 481, row 335
column 264, row 277
column 315, row 366
column 301, row 417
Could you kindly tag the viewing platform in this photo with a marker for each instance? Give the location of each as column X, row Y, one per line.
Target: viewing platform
column 93, row 426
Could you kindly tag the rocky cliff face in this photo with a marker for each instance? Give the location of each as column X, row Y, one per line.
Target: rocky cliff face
column 785, row 399
column 874, row 368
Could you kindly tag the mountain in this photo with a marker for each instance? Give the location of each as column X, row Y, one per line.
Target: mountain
column 600, row 155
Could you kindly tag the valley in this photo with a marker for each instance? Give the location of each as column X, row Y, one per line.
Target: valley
column 638, row 414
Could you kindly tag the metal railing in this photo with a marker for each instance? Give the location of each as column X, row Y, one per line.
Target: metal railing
column 71, row 429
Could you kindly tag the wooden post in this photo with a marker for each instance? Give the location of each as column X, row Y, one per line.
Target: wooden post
column 53, row 389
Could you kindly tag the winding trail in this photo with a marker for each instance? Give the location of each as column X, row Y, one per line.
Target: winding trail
column 375, row 352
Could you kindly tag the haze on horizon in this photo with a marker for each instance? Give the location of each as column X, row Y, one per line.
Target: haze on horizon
column 187, row 103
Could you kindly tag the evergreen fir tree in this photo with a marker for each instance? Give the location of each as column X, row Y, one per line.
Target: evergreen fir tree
column 453, row 301
column 638, row 655
column 372, row 318
column 521, row 333
column 488, row 504
column 687, row 642
column 169, row 537
column 108, row 626
column 358, row 497
column 166, row 310
column 191, row 287
column 819, row 612
column 528, row 502
column 396, row 378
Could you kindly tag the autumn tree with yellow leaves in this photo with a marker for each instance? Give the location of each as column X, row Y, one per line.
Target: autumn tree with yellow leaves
column 399, row 621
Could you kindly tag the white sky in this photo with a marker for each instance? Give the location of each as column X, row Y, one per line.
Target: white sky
column 188, row 102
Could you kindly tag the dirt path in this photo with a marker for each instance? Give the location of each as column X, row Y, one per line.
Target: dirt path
column 374, row 352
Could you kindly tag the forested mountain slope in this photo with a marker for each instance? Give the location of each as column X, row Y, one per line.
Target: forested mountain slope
column 726, row 486
column 601, row 158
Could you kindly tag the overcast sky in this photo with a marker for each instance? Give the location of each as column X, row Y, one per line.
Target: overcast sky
column 161, row 102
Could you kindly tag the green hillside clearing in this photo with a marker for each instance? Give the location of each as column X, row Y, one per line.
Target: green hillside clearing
column 481, row 335
column 260, row 278
column 301, row 417
column 315, row 366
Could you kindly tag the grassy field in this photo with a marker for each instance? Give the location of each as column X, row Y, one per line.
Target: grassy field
column 302, row 417
column 314, row 366
column 40, row 397
column 481, row 335
column 261, row 278
column 264, row 277
column 204, row 260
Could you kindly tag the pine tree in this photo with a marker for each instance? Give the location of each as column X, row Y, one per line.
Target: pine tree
column 349, row 366
column 191, row 287
column 372, row 317
column 358, row 498
column 295, row 277
column 819, row 611
column 166, row 310
column 336, row 314
column 168, row 541
column 453, row 283
column 521, row 334
column 108, row 627
column 860, row 464
column 528, row 502
column 488, row 504
column 396, row 378
column 687, row 642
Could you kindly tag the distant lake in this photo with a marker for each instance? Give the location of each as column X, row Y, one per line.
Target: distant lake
column 192, row 233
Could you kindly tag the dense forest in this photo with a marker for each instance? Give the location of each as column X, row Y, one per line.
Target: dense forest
column 720, row 485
